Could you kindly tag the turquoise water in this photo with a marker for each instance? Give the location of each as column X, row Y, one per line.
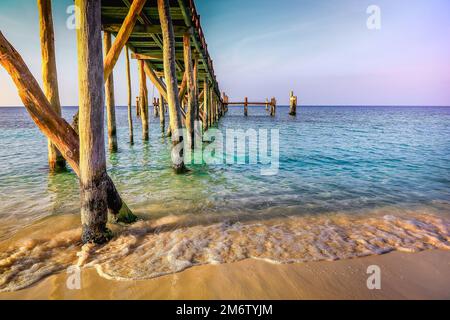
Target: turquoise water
column 331, row 159
column 352, row 181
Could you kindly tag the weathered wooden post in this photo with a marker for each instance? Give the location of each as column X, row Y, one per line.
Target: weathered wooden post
column 217, row 108
column 206, row 104
column 56, row 161
column 162, row 115
column 155, row 108
column 190, row 114
column 222, row 107
column 213, row 106
column 143, row 100
column 170, row 74
column 130, row 117
column 110, row 103
column 246, row 107
column 138, row 108
column 94, row 213
column 225, row 101
column 196, row 90
column 292, row 104
column 273, row 107
column 210, row 106
column 267, row 105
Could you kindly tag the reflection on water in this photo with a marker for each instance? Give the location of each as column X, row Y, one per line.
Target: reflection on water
column 333, row 161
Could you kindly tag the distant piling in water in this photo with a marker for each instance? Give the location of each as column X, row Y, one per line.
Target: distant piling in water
column 292, row 104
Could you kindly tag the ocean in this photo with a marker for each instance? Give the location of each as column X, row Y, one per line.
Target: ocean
column 350, row 182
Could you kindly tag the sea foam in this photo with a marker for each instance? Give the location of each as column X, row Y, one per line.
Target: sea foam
column 154, row 248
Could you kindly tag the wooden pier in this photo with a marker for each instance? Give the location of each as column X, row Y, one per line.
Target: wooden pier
column 271, row 106
column 167, row 40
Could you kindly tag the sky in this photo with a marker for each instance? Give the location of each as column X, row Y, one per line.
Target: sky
column 321, row 49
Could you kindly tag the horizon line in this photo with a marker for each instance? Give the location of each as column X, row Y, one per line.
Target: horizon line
column 300, row 106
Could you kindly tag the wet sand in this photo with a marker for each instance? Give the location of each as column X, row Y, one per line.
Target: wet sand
column 424, row 275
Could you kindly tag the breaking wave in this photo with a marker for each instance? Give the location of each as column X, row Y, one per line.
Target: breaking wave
column 150, row 249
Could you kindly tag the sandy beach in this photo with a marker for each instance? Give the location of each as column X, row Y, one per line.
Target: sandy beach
column 424, row 275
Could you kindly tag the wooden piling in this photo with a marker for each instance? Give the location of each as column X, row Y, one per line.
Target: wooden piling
column 188, row 65
column 138, row 107
column 170, row 74
column 210, row 104
column 155, row 108
column 292, row 104
column 56, row 161
column 273, row 107
column 206, row 96
column 225, row 101
column 110, row 103
column 94, row 214
column 267, row 104
column 162, row 115
column 213, row 108
column 217, row 108
column 143, row 100
column 130, row 117
column 246, row 107
column 196, row 90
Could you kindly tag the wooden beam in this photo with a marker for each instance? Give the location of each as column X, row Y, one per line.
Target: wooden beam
column 56, row 161
column 151, row 74
column 122, row 37
column 52, row 125
column 140, row 56
column 144, row 30
column 183, row 87
column 110, row 101
column 249, row 104
column 170, row 73
column 154, row 55
column 145, row 20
